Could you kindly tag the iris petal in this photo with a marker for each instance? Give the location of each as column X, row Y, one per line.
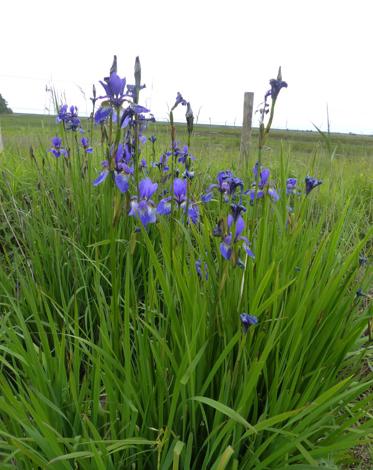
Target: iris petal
column 147, row 188
column 101, row 178
column 121, row 182
column 225, row 250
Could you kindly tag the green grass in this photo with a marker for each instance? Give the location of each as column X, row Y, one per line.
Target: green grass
column 115, row 354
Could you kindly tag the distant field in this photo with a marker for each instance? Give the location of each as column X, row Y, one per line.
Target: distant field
column 222, row 142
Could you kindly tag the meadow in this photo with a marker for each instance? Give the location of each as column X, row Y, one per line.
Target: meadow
column 172, row 309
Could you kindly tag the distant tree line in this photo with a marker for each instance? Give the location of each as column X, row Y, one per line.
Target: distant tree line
column 4, row 106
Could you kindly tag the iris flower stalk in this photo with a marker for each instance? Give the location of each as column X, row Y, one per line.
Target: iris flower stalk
column 273, row 92
column 246, row 321
column 179, row 100
column 276, row 85
column 189, row 120
column 137, row 74
column 93, row 99
column 229, row 246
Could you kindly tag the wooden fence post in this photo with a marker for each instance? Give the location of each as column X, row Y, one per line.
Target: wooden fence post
column 248, row 105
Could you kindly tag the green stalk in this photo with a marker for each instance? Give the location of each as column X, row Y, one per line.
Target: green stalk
column 172, row 222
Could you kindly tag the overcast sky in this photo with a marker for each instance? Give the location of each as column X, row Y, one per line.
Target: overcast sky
column 211, row 51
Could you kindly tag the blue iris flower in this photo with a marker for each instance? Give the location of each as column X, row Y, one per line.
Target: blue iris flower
column 263, row 178
column 227, row 185
column 311, row 183
column 291, row 186
column 57, row 149
column 180, row 197
column 144, row 208
column 227, row 246
column 179, row 100
column 102, row 114
column 69, row 116
column 121, row 169
column 114, row 87
column 247, row 321
column 85, row 144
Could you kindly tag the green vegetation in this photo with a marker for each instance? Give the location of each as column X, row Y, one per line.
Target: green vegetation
column 4, row 109
column 115, row 354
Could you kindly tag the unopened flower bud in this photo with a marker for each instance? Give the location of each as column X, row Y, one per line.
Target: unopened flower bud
column 114, row 67
column 189, row 118
column 279, row 75
column 137, row 72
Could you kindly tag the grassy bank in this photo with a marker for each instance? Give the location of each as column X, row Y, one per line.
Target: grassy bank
column 122, row 345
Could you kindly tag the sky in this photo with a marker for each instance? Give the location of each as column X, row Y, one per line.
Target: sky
column 212, row 51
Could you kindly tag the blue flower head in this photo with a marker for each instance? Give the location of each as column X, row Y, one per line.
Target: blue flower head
column 202, row 271
column 144, row 208
column 69, row 117
column 183, row 156
column 230, row 241
column 162, row 164
column 291, row 186
column 263, row 179
column 85, row 144
column 102, row 114
column 180, row 188
column 311, row 183
column 247, row 321
column 276, row 85
column 57, row 149
column 118, row 165
column 227, row 186
column 179, row 100
column 114, row 87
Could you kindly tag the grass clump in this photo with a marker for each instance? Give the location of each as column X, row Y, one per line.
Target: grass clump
column 122, row 342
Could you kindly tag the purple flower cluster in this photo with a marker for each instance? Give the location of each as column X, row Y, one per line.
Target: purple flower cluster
column 119, row 166
column 232, row 238
column 185, row 158
column 183, row 154
column 202, row 270
column 291, row 186
column 117, row 93
column 69, row 117
column 144, row 208
column 227, row 186
column 57, row 149
column 121, row 106
column 180, row 188
column 162, row 164
column 263, row 187
column 85, row 144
